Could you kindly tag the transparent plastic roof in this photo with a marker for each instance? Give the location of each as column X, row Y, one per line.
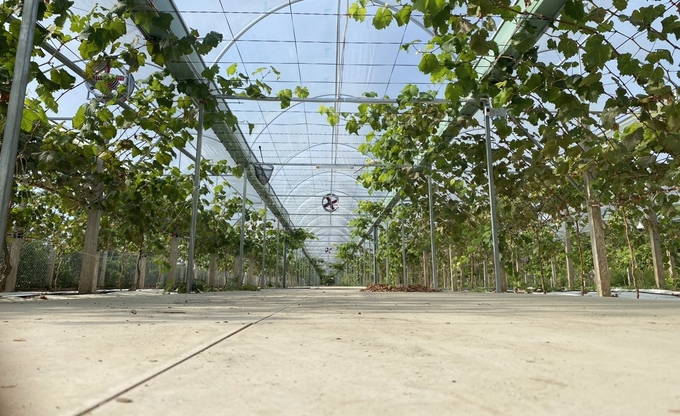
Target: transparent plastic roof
column 313, row 44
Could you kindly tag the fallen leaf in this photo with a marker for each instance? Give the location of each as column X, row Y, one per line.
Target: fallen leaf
column 405, row 288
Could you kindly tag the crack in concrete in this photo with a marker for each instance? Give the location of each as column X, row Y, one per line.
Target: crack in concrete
column 174, row 364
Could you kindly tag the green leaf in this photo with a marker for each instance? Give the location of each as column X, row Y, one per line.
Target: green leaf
column 453, row 92
column 435, row 6
column 107, row 131
column 212, row 39
column 61, row 77
column 210, row 73
column 357, row 11
column 251, row 126
column 231, row 70
column 627, row 65
column 567, row 46
column 237, row 171
column 285, row 95
column 660, row 54
column 428, row 63
column 162, row 20
column 163, row 158
column 383, row 18
column 29, row 119
column 575, row 9
column 79, row 118
column 60, row 6
column 184, row 102
column 301, row 92
column 403, row 15
column 620, row 4
column 352, row 126
column 503, row 97
column 478, row 42
column 551, row 149
column 598, row 52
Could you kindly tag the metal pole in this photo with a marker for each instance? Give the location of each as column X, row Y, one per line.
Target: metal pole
column 243, row 226
column 403, row 253
column 15, row 110
column 296, row 269
column 362, row 268
column 367, row 257
column 492, row 199
column 278, row 235
column 285, row 261
column 375, row 255
column 196, row 197
column 432, row 227
column 264, row 244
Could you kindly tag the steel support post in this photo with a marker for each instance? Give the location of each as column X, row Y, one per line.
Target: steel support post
column 15, row 110
column 375, row 255
column 403, row 253
column 492, row 199
column 285, row 262
column 276, row 268
column 363, row 269
column 195, row 197
column 432, row 229
column 264, row 245
column 243, row 227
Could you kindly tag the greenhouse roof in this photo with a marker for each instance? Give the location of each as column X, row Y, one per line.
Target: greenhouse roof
column 315, row 45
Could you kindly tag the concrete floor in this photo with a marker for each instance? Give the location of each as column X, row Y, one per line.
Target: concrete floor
column 338, row 352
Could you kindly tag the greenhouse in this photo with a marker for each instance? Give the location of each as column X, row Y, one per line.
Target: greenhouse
column 185, row 179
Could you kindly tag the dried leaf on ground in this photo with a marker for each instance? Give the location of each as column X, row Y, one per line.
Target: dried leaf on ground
column 405, row 288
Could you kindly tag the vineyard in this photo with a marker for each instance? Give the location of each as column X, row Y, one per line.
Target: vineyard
column 476, row 145
column 351, row 207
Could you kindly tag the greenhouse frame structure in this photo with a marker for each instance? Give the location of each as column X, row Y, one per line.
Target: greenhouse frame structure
column 538, row 15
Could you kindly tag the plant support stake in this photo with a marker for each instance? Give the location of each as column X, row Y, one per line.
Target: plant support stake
column 243, row 227
column 264, row 245
column 196, row 196
column 375, row 254
column 15, row 110
column 403, row 254
column 432, row 242
column 285, row 262
column 492, row 198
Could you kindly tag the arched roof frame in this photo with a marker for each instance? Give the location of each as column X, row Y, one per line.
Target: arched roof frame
column 316, row 145
column 266, row 126
column 313, row 176
column 341, row 231
column 336, row 192
column 311, row 211
column 338, row 231
column 273, row 10
column 304, row 150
